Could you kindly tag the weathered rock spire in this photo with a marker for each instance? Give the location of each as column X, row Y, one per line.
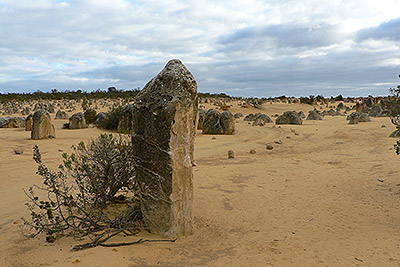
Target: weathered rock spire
column 163, row 129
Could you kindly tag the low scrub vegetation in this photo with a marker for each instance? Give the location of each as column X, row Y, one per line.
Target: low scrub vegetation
column 92, row 194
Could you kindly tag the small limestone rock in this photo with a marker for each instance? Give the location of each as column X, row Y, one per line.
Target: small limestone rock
column 18, row 151
column 353, row 120
column 269, row 147
column 279, row 142
column 253, row 151
column 231, row 154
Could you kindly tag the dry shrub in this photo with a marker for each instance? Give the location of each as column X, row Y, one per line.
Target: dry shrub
column 76, row 199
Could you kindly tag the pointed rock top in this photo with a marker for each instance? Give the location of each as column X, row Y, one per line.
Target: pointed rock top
column 175, row 80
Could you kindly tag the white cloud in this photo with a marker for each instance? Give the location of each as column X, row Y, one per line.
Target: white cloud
column 229, row 45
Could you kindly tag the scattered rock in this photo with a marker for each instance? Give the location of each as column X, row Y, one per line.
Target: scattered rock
column 227, row 123
column 289, row 117
column 77, row 121
column 29, row 122
column 231, row 155
column 12, row 122
column 101, row 119
column 26, row 111
column 61, row 115
column 396, row 133
column 356, row 117
column 313, row 115
column 18, row 151
column 364, row 118
column 125, row 119
column 253, row 151
column 238, row 115
column 261, row 120
column 219, row 123
column 353, row 120
column 41, row 125
column 202, row 116
column 269, row 146
column 251, row 117
column 212, row 124
column 279, row 142
column 331, row 112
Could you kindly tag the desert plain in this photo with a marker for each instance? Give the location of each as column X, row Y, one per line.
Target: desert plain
column 328, row 194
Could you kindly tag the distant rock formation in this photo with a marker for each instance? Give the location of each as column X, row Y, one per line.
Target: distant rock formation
column 61, row 115
column 219, row 123
column 289, row 117
column 356, row 117
column 125, row 119
column 201, row 117
column 101, row 119
column 77, row 121
column 41, row 125
column 261, row 120
column 313, row 115
column 29, row 122
column 12, row 122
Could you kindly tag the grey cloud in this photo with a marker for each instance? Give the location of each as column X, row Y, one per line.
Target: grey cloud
column 389, row 30
column 285, row 36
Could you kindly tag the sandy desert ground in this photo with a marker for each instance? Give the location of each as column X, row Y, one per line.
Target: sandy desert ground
column 329, row 196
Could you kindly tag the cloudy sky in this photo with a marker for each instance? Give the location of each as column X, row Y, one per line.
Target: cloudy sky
column 240, row 47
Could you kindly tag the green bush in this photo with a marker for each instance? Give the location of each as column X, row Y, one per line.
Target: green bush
column 90, row 115
column 102, row 168
column 78, row 206
column 113, row 118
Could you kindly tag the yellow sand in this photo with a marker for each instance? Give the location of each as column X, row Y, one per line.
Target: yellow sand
column 329, row 196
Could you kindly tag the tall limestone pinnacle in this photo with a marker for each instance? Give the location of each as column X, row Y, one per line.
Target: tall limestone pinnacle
column 163, row 130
